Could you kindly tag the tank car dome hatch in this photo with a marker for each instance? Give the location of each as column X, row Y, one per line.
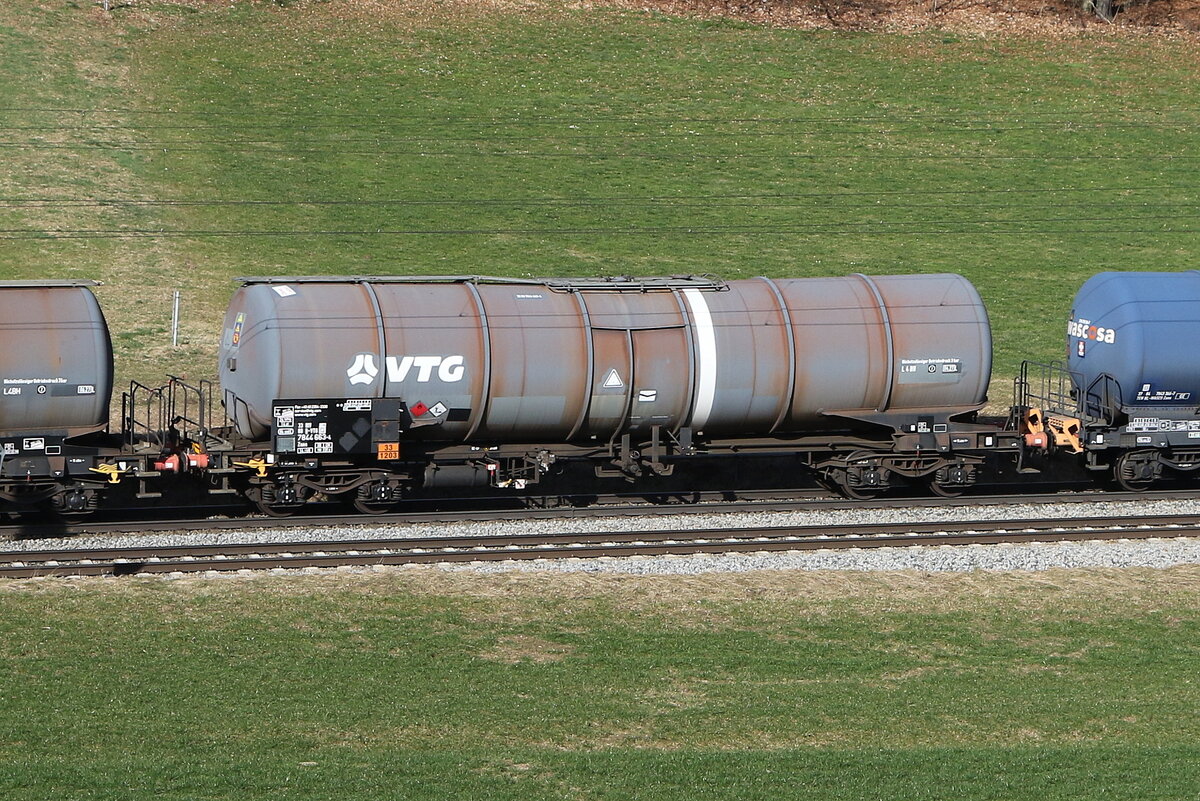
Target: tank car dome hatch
column 501, row 360
column 1133, row 335
column 56, row 363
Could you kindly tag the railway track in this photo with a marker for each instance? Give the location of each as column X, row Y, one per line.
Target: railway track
column 424, row 550
column 611, row 506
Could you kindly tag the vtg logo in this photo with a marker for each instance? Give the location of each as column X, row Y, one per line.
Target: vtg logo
column 449, row 369
column 363, row 369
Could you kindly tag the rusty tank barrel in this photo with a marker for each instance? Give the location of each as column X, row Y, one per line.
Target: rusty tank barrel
column 498, row 360
column 56, row 364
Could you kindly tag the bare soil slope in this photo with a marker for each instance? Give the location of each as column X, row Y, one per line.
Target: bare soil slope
column 1164, row 17
column 1173, row 18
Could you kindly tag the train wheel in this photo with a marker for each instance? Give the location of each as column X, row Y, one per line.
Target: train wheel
column 75, row 503
column 369, row 507
column 861, row 480
column 945, row 490
column 859, row 493
column 856, row 491
column 276, row 510
column 269, row 502
column 951, row 481
column 376, row 498
column 1136, row 471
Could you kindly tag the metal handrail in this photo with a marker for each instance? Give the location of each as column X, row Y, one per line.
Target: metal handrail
column 1053, row 387
column 134, row 428
column 152, row 415
column 1056, row 387
column 1104, row 403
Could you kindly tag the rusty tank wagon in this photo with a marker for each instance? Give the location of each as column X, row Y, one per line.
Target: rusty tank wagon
column 56, row 381
column 371, row 387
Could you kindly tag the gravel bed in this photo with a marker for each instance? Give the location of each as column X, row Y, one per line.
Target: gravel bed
column 1157, row 553
column 1150, row 553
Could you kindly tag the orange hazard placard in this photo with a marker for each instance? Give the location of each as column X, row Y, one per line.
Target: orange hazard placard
column 388, row 450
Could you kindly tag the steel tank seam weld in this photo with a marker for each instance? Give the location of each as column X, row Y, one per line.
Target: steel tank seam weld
column 378, row 390
column 785, row 410
column 585, row 409
column 887, row 336
column 630, row 392
column 485, row 386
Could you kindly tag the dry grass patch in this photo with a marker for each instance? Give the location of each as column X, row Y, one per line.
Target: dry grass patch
column 518, row 648
column 1084, row 593
column 345, row 17
column 643, row 737
column 1041, row 19
column 1046, row 19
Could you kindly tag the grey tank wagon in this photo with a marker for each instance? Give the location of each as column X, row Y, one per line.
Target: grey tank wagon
column 56, row 377
column 371, row 387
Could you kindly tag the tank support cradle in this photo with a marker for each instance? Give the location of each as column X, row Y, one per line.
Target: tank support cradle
column 632, row 462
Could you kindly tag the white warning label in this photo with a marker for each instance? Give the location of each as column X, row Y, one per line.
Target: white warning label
column 933, row 370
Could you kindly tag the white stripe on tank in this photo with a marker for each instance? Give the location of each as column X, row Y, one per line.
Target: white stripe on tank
column 706, row 357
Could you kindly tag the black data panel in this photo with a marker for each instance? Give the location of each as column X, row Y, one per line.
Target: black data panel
column 332, row 427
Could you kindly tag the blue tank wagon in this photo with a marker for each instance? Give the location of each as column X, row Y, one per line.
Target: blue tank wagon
column 1128, row 397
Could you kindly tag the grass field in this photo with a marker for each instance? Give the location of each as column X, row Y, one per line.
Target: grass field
column 427, row 685
column 180, row 145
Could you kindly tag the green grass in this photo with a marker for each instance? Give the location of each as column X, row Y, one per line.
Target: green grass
column 422, row 685
column 438, row 139
column 212, row 140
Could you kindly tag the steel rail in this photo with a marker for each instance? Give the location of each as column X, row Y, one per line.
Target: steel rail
column 613, row 506
column 418, row 550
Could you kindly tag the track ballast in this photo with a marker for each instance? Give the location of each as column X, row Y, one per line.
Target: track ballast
column 426, row 550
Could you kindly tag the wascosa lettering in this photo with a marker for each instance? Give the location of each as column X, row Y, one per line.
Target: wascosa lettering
column 422, row 369
column 1085, row 330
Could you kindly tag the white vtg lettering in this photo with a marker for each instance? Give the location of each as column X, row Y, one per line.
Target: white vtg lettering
column 449, row 368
